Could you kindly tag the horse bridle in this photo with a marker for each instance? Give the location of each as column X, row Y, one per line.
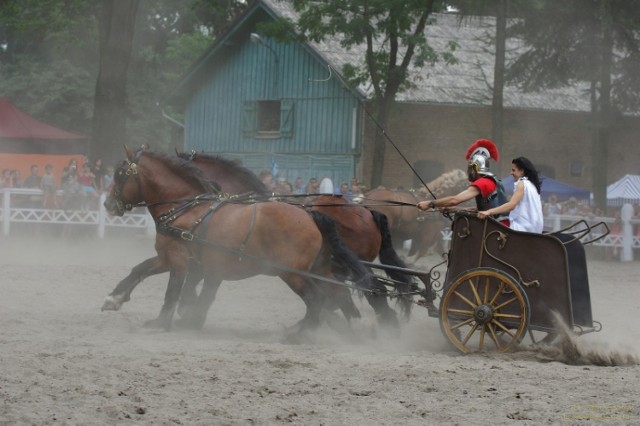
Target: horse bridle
column 131, row 170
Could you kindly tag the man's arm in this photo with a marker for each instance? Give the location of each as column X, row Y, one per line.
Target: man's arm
column 450, row 201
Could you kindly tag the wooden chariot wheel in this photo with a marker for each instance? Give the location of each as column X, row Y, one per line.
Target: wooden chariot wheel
column 484, row 310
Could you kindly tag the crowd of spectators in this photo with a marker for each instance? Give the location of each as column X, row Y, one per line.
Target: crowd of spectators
column 281, row 186
column 81, row 186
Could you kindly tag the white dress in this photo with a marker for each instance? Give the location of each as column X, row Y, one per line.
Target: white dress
column 527, row 215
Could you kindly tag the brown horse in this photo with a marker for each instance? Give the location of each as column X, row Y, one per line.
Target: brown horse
column 232, row 238
column 364, row 232
column 406, row 222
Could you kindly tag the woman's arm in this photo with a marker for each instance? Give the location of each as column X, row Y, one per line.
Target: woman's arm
column 508, row 206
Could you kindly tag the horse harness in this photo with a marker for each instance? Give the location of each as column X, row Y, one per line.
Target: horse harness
column 164, row 222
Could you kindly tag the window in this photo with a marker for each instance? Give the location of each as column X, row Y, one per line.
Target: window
column 575, row 169
column 268, row 119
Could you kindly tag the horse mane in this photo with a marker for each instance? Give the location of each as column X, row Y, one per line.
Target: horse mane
column 187, row 171
column 449, row 183
column 242, row 173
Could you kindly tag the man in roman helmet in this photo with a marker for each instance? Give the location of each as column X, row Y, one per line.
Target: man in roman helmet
column 484, row 187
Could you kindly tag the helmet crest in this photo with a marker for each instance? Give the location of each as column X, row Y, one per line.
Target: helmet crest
column 478, row 156
column 485, row 147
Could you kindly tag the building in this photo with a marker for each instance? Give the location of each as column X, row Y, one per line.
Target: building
column 283, row 107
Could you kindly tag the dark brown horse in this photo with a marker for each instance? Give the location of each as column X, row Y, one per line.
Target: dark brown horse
column 232, row 238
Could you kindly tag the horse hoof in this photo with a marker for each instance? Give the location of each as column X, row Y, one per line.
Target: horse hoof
column 111, row 304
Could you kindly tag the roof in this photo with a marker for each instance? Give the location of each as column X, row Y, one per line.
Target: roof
column 16, row 124
column 469, row 81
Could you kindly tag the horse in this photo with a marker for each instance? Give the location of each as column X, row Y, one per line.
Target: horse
column 406, row 222
column 364, row 232
column 232, row 238
column 372, row 235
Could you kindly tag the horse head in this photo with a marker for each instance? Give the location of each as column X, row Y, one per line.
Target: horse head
column 122, row 198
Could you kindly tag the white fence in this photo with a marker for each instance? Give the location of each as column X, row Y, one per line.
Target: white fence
column 22, row 205
column 17, row 207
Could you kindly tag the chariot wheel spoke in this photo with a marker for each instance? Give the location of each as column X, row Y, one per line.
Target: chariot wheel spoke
column 474, row 290
column 469, row 334
column 464, row 299
column 462, row 324
column 506, row 303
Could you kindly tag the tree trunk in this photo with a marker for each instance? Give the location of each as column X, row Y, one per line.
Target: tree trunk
column 380, row 140
column 603, row 110
column 117, row 27
column 497, row 104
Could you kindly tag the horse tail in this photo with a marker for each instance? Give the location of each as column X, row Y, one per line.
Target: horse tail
column 349, row 263
column 389, row 256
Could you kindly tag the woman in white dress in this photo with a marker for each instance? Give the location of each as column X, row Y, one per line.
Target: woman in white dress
column 524, row 207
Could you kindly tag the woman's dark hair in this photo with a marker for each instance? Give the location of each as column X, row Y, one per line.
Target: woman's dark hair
column 530, row 171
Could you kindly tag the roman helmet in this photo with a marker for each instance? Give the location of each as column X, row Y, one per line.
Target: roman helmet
column 478, row 156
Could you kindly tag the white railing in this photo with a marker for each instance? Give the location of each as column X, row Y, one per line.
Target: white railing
column 18, row 207
column 22, row 205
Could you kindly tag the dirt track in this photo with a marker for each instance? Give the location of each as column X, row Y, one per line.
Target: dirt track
column 64, row 361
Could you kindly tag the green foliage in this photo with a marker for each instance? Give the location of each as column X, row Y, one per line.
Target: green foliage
column 49, row 58
column 392, row 30
column 568, row 50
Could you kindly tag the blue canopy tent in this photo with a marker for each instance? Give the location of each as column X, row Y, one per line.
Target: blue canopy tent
column 624, row 191
column 549, row 187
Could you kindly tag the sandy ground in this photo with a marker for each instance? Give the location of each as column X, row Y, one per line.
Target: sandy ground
column 63, row 361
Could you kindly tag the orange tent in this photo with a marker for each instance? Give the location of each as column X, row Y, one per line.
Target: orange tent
column 25, row 141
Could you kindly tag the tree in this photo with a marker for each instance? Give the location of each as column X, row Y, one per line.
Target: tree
column 572, row 41
column 393, row 32
column 49, row 63
column 116, row 27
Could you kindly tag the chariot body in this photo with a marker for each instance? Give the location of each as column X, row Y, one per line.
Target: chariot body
column 502, row 284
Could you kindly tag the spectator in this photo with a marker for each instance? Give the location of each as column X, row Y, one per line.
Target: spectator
column 48, row 185
column 87, row 181
column 283, row 187
column 34, row 179
column 17, row 180
column 312, row 186
column 298, row 186
column 98, row 171
column 356, row 189
column 107, row 179
column 70, row 169
column 7, row 179
column 73, row 195
column 571, row 206
column 345, row 191
column 552, row 206
column 266, row 178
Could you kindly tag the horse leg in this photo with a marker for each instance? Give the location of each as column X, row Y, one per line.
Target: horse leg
column 313, row 299
column 388, row 256
column 176, row 279
column 189, row 295
column 196, row 314
column 122, row 292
